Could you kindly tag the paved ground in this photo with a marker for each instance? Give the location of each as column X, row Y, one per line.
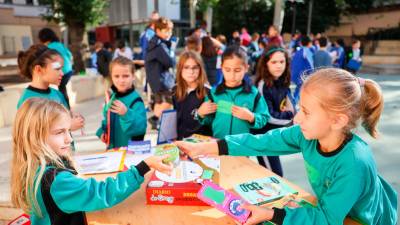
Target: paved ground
column 386, row 150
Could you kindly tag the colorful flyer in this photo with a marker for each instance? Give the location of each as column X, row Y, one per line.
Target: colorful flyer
column 139, row 147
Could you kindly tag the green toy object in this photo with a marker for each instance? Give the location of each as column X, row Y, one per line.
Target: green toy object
column 170, row 149
column 109, row 104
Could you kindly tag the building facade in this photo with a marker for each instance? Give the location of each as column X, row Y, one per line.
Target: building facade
column 127, row 19
column 20, row 22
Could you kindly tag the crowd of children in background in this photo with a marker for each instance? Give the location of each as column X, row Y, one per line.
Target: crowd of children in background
column 220, row 88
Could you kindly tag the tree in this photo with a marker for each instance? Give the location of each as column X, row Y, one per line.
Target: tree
column 325, row 14
column 206, row 7
column 231, row 15
column 76, row 15
column 256, row 15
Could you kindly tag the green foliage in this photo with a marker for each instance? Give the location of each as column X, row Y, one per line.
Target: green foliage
column 203, row 4
column 231, row 15
column 324, row 15
column 87, row 12
column 256, row 15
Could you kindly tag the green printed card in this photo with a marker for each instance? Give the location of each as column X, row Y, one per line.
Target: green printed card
column 224, row 107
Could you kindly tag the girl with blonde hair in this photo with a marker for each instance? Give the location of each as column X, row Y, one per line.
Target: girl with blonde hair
column 44, row 182
column 339, row 164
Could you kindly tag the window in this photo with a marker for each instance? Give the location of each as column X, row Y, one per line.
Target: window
column 8, row 43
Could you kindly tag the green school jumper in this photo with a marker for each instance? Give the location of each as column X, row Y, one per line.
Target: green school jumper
column 49, row 93
column 244, row 95
column 345, row 181
column 64, row 197
column 131, row 126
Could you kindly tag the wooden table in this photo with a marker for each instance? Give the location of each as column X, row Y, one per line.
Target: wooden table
column 134, row 210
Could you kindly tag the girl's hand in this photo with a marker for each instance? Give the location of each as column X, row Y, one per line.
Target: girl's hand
column 156, row 163
column 77, row 121
column 195, row 150
column 207, row 108
column 243, row 113
column 258, row 214
column 119, row 108
column 103, row 138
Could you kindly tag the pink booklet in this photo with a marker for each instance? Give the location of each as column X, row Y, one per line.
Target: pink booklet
column 223, row 200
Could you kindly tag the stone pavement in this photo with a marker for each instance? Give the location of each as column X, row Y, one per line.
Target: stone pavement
column 386, row 148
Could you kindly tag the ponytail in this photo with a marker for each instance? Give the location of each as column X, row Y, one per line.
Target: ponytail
column 36, row 55
column 371, row 106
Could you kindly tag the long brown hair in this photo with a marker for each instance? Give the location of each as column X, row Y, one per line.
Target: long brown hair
column 263, row 73
column 181, row 86
column 338, row 91
column 208, row 49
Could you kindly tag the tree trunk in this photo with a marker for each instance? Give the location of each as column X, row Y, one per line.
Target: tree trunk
column 192, row 10
column 76, row 33
column 279, row 13
column 208, row 16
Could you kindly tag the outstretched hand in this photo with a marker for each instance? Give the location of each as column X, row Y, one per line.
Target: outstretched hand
column 156, row 162
column 196, row 150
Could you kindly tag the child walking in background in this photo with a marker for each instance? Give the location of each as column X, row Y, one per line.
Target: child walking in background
column 189, row 95
column 44, row 67
column 159, row 59
column 354, row 60
column 273, row 81
column 339, row 164
column 234, row 106
column 44, row 182
column 124, row 114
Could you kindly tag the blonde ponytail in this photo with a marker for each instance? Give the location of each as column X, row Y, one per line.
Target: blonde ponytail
column 371, row 106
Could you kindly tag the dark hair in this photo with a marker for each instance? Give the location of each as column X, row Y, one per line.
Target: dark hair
column 323, row 41
column 208, row 48
column 263, row 73
column 340, row 42
column 107, row 45
column 47, row 35
column 232, row 51
column 305, row 40
column 38, row 54
column 203, row 23
column 121, row 44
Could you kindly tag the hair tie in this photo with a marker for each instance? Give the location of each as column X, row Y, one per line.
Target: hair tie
column 361, row 82
column 273, row 50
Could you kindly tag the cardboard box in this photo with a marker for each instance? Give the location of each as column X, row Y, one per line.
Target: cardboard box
column 182, row 186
